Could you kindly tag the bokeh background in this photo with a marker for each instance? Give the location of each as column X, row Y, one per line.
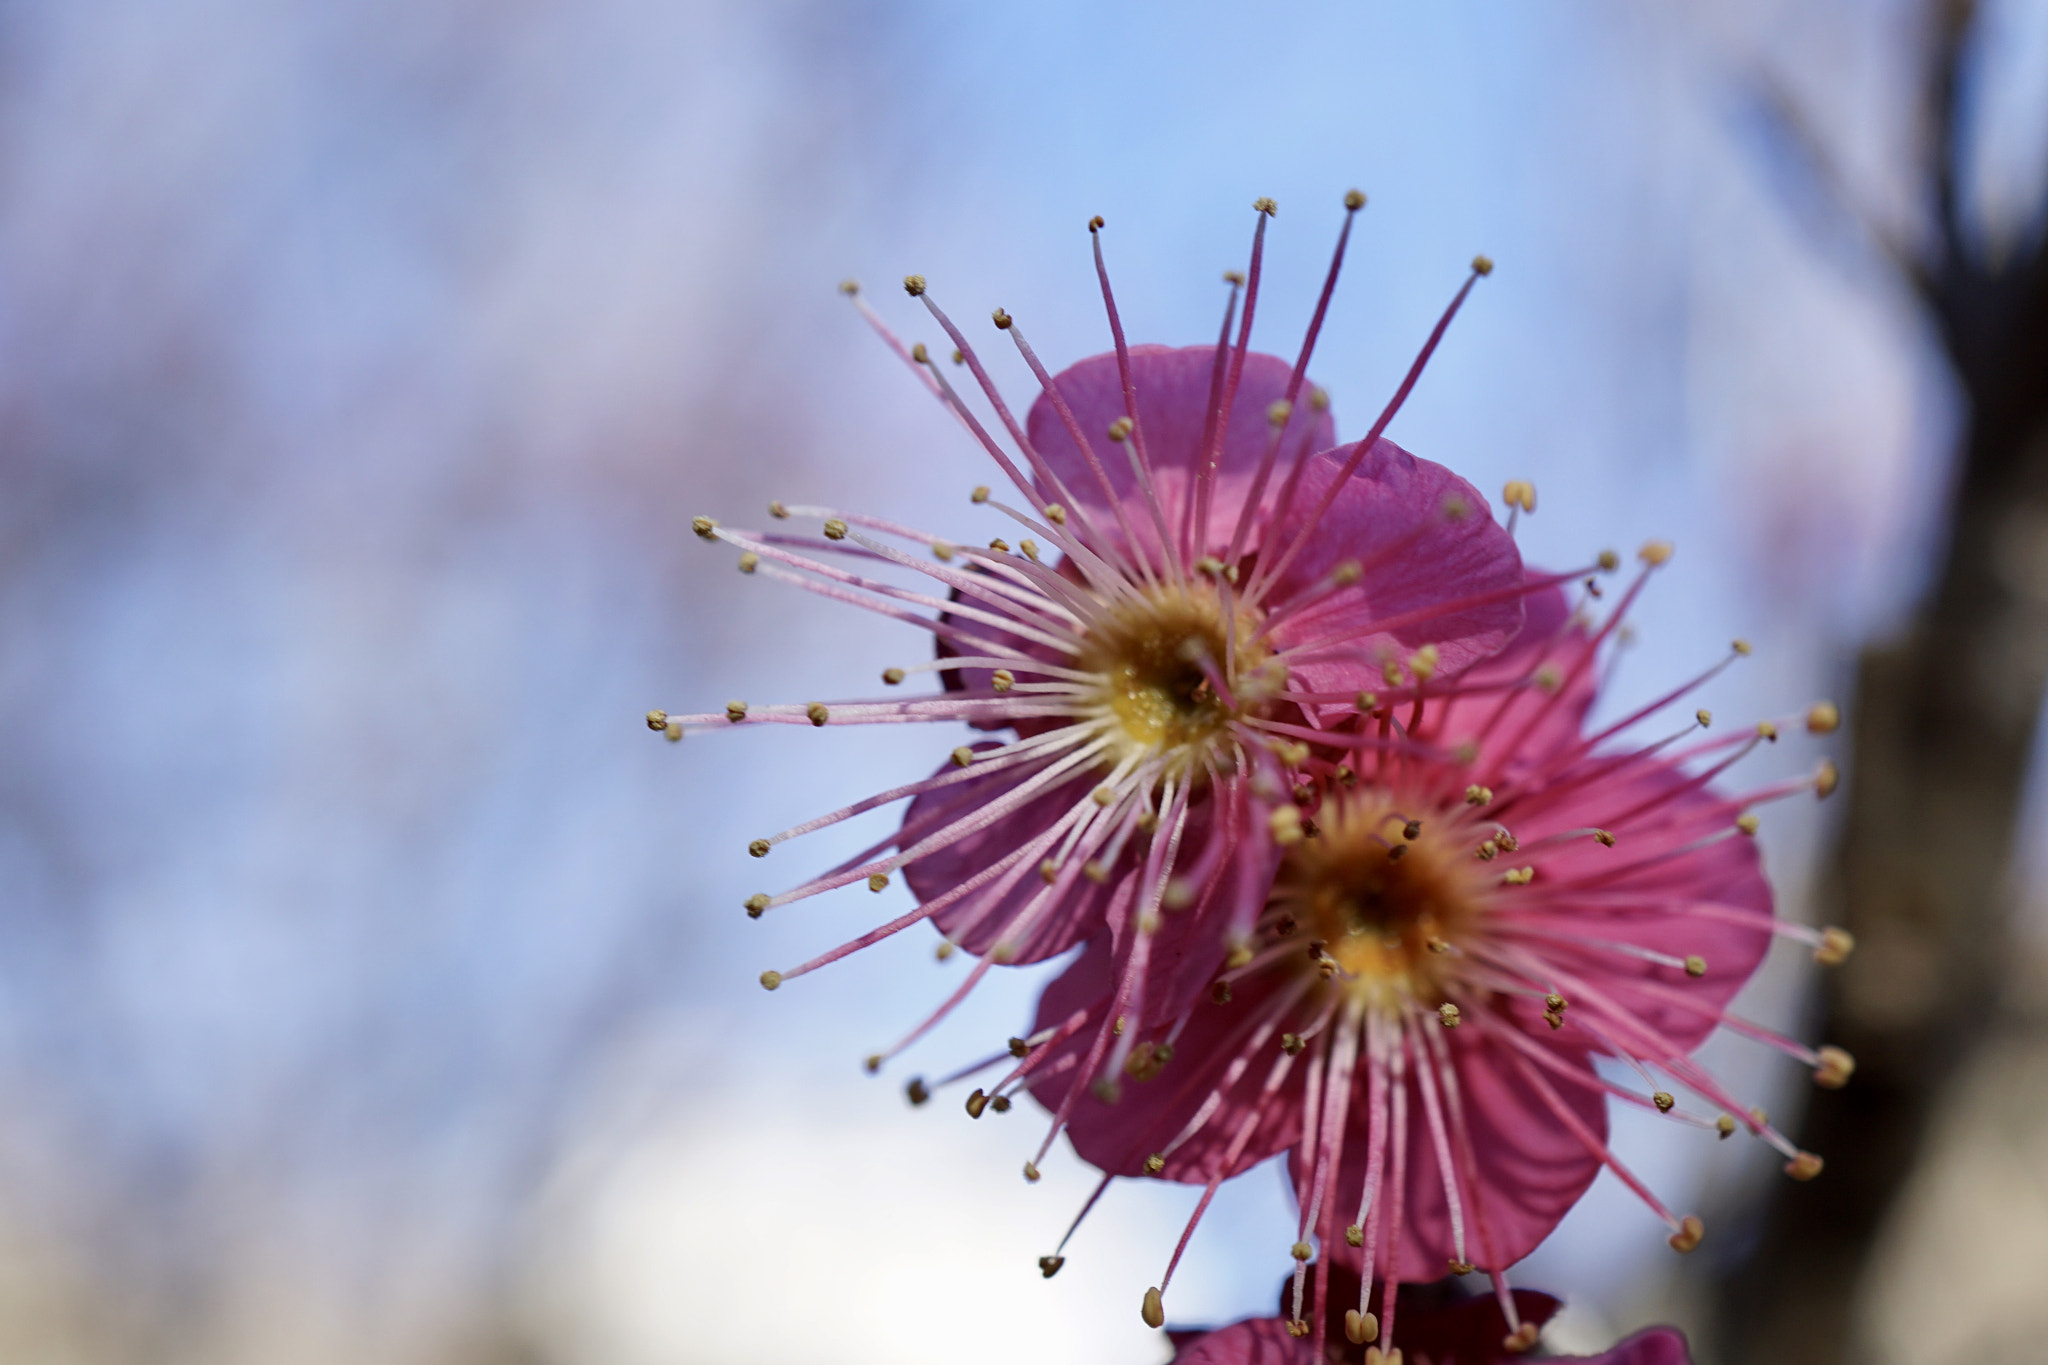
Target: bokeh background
column 373, row 986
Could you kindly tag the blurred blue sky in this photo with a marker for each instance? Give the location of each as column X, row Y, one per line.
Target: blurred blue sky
column 371, row 985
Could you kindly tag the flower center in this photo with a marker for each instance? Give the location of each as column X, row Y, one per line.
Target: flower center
column 1388, row 891
column 1169, row 679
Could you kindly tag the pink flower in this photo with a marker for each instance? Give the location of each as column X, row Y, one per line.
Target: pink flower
column 1195, row 575
column 1460, row 901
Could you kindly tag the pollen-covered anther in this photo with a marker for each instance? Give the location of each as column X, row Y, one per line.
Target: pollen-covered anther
column 1553, row 1018
column 1095, row 224
column 818, row 712
column 1278, row 411
column 1120, row 429
column 892, row 676
column 976, row 1103
column 1836, row 943
column 1049, row 870
column 1235, row 277
column 999, row 545
column 1823, row 718
column 920, row 354
column 1347, row 572
column 1695, row 965
column 1458, row 1267
column 1354, row 1236
column 1748, row 823
column 916, row 1092
column 757, row 904
column 1690, row 1230
column 1375, row 1356
column 1804, row 1166
column 1448, row 1015
column 878, row 881
column 1476, row 795
column 1518, row 876
column 1725, row 1125
column 1423, row 663
column 770, row 980
column 1603, row 838
column 1002, row 680
column 1522, row 1339
column 1049, row 1266
column 1266, row 206
column 1482, row 265
column 1767, row 729
column 1359, row 1328
column 872, row 1063
column 673, row 731
column 835, row 529
column 1656, row 552
column 778, row 511
column 1548, row 679
column 849, row 287
column 1663, row 1100
column 1827, row 779
column 944, row 950
column 1291, row 1044
column 657, row 721
column 1030, row 549
column 1354, row 200
column 749, row 562
column 1487, row 851
column 1153, row 1310
column 1285, row 824
column 705, row 527
column 1835, row 1069
column 913, row 285
column 1297, row 1327
column 1056, row 514
column 759, row 848
column 963, row 756
column 979, row 495
column 1302, row 1251
column 942, row 552
column 1001, row 1104
column 1608, row 561
column 1031, row 1172
column 1001, row 319
column 735, row 711
column 1519, row 493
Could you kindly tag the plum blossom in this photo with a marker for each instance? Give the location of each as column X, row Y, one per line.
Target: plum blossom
column 1192, row 570
column 1461, row 899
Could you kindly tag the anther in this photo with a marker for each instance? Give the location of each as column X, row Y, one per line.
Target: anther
column 1346, row 573
column 977, row 1102
column 1488, row 851
column 1458, row 1267
column 1603, row 838
column 1319, row 399
column 1695, row 965
column 1518, row 876
column 1805, row 1166
column 1368, row 701
column 1265, row 206
column 1477, row 795
column 920, row 354
column 1344, row 775
column 963, row 756
column 1768, row 729
column 1656, row 552
column 943, row 951
column 1050, row 870
column 1359, row 1328
column 1741, row 647
column 1748, row 823
column 1302, row 1251
column 1354, row 200
column 1608, row 561
column 959, row 356
column 1155, row 1163
column 1548, row 679
column 849, row 287
column 1555, row 1002
column 1448, row 1014
column 892, row 676
column 1704, row 717
column 704, row 527
column 735, row 711
column 1690, row 1230
column 1725, row 1126
column 999, row 545
column 1827, row 779
column 1001, row 319
column 770, row 980
column 913, row 285
column 673, row 731
column 1285, row 824
column 1291, row 1044
column 1822, row 718
column 1030, row 549
column 1002, row 680
column 1049, row 1266
column 1095, row 224
column 1663, row 1100
column 1235, row 277
column 942, row 552
column 1031, row 1172
column 1522, row 1339
column 757, row 904
column 1519, row 493
column 1836, row 944
column 1103, row 794
column 778, row 511
column 1554, row 1019
column 1278, row 412
column 1220, row 992
column 878, row 881
column 979, row 495
column 1482, row 265
column 749, row 562
column 835, row 529
column 872, row 1063
column 1422, row 663
column 915, row 1092
column 1412, row 831
column 818, row 712
column 1001, row 1104
column 1375, row 1356
column 759, row 848
column 1153, row 1310
column 1056, row 514
column 657, row 721
column 1835, row 1069
column 1120, row 429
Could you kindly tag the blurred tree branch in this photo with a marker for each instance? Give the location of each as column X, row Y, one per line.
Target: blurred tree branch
column 1943, row 727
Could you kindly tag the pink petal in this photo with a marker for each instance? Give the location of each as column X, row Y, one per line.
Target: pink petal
column 1255, row 1341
